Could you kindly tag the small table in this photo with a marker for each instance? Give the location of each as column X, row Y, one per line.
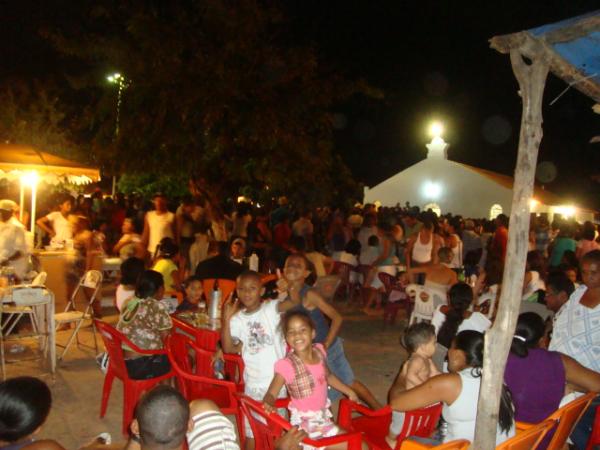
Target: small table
column 44, row 315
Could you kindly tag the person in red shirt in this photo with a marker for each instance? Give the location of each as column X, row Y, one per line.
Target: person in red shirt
column 500, row 238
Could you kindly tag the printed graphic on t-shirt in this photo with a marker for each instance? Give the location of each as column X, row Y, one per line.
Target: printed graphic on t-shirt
column 258, row 338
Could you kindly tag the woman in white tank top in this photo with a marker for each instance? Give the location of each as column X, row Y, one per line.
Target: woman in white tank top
column 419, row 252
column 458, row 391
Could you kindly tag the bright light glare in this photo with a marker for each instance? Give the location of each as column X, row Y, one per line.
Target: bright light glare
column 114, row 78
column 436, row 129
column 30, row 178
column 565, row 210
column 432, row 190
column 533, row 203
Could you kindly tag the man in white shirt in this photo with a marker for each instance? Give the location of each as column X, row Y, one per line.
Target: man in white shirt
column 158, row 224
column 56, row 224
column 13, row 248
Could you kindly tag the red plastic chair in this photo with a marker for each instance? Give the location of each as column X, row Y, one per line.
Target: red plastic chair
column 181, row 352
column 594, row 439
column 345, row 289
column 203, row 337
column 391, row 284
column 226, row 286
column 267, row 428
column 199, row 361
column 375, row 425
column 459, row 444
column 132, row 389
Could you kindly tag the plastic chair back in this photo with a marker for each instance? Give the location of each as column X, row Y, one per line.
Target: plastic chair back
column 113, row 342
column 226, row 286
column 343, row 270
column 203, row 337
column 327, row 286
column 389, row 281
column 594, row 440
column 423, row 307
column 267, row 428
column 567, row 417
column 528, row 439
column 376, row 424
column 459, row 444
column 197, row 382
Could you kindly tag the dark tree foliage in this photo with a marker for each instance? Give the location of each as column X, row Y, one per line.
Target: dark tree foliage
column 35, row 115
column 213, row 92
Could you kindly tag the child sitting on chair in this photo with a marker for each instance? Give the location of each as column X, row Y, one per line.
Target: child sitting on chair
column 193, row 295
column 305, row 373
column 419, row 340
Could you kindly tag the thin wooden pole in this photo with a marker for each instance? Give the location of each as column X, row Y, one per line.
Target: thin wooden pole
column 532, row 79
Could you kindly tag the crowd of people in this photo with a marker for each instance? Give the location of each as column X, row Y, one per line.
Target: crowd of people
column 460, row 260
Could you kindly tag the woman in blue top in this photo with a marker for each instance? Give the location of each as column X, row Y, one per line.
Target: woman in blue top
column 301, row 297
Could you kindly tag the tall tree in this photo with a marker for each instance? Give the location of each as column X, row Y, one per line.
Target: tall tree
column 35, row 116
column 213, row 91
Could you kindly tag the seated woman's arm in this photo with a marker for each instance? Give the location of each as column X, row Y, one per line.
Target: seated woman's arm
column 581, row 377
column 441, row 388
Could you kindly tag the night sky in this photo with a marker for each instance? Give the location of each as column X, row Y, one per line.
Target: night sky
column 432, row 60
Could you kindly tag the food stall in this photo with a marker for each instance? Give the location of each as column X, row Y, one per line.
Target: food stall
column 30, row 167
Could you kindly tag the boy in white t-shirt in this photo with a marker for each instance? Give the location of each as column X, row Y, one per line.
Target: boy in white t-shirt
column 251, row 328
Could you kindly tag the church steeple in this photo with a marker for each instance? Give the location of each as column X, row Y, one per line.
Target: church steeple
column 437, row 148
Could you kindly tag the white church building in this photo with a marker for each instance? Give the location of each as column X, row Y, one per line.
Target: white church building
column 447, row 186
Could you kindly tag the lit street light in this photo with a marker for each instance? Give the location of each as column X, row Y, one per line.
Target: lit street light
column 119, row 80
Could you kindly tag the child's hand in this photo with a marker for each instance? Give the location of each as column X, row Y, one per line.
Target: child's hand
column 282, row 283
column 352, row 395
column 217, row 356
column 230, row 307
column 268, row 407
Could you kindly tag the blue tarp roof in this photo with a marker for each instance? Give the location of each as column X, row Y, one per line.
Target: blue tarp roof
column 572, row 47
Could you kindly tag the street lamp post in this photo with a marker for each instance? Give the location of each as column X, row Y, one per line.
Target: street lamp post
column 119, row 80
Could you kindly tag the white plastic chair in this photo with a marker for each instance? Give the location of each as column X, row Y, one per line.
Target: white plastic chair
column 27, row 300
column 423, row 306
column 92, row 279
column 492, row 296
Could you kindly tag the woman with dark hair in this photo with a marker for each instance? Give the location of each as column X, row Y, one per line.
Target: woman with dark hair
column 131, row 269
column 458, row 391
column 535, row 398
column 587, row 243
column 24, row 406
column 456, row 317
column 167, row 264
column 145, row 321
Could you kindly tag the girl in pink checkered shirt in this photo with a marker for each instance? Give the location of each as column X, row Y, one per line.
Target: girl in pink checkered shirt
column 305, row 374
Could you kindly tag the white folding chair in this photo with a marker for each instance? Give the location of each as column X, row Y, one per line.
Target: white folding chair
column 423, row 306
column 92, row 279
column 28, row 300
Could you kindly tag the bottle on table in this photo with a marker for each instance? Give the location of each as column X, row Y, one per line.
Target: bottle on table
column 214, row 309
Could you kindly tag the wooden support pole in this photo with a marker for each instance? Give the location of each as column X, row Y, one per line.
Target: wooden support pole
column 532, row 79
